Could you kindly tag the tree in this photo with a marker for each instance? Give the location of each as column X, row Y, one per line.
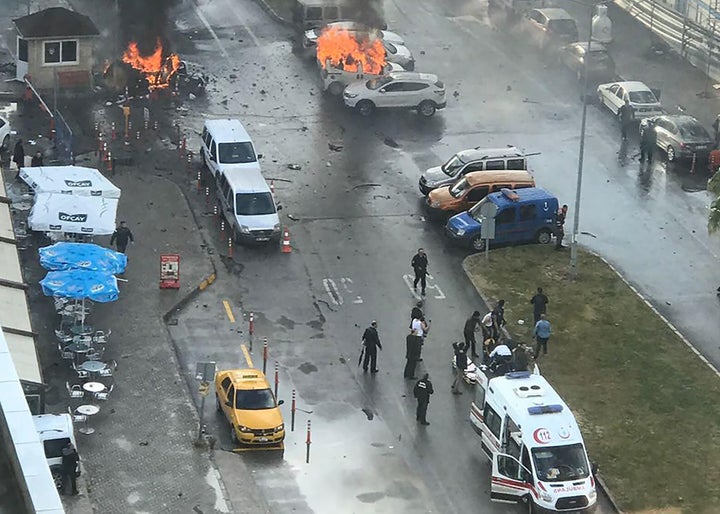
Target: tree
column 714, row 217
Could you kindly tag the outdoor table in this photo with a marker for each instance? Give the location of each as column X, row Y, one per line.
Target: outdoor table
column 87, row 410
column 92, row 367
column 80, row 330
column 94, row 387
column 78, row 348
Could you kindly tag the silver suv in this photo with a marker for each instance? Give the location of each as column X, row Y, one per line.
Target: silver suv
column 398, row 90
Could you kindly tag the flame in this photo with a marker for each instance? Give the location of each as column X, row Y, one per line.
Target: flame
column 157, row 69
column 346, row 49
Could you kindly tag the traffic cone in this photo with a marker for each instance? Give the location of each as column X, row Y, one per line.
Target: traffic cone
column 286, row 248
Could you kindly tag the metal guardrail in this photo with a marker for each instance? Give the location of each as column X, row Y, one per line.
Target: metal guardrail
column 697, row 44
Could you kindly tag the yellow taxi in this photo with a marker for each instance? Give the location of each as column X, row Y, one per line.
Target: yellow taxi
column 244, row 396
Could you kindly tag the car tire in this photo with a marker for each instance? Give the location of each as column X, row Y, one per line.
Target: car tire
column 478, row 244
column 336, row 88
column 671, row 154
column 426, row 108
column 543, row 237
column 5, row 144
column 233, row 435
column 365, row 107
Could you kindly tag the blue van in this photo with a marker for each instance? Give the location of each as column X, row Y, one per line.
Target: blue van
column 522, row 216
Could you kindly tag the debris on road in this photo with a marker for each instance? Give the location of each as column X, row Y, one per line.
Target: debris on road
column 294, row 167
column 335, row 147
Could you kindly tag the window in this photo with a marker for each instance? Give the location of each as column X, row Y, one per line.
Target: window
column 415, row 86
column 60, row 52
column 561, row 463
column 22, row 50
column 53, row 447
column 231, row 393
column 479, row 396
column 254, row 399
column 508, row 466
column 331, row 12
column 516, row 164
column 505, row 216
column 213, row 150
column 614, row 88
column 642, row 97
column 2, row 123
column 495, row 165
column 225, row 383
column 477, row 194
column 392, row 88
column 236, row 153
column 492, row 420
column 313, row 13
column 528, row 212
column 254, row 204
column 500, row 187
column 620, row 93
column 476, row 166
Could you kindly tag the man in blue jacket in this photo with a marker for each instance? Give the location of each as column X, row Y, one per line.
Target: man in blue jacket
column 541, row 334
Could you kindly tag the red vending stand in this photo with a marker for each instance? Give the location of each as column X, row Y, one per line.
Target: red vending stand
column 170, row 271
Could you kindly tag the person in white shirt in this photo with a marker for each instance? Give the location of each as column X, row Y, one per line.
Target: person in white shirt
column 500, row 355
column 420, row 327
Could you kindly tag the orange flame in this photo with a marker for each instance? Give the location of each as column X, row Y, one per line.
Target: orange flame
column 347, row 49
column 157, row 70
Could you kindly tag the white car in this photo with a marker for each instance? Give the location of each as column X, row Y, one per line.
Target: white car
column 4, row 134
column 311, row 36
column 642, row 99
column 399, row 54
column 401, row 90
column 335, row 79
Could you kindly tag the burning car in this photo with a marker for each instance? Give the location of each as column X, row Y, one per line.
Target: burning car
column 310, row 38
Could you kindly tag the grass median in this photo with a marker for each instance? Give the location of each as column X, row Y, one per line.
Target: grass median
column 648, row 407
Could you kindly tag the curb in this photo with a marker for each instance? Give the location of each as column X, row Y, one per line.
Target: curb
column 600, row 481
column 191, row 295
column 273, row 14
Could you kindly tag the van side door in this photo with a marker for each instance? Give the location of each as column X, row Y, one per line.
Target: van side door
column 213, row 157
column 511, row 481
column 529, row 221
column 505, row 225
column 474, row 196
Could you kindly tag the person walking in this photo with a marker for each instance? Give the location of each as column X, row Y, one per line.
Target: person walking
column 371, row 342
column 122, row 236
column 560, row 227
column 422, row 391
column 413, row 345
column 469, row 329
column 498, row 318
column 648, row 140
column 460, row 365
column 37, row 159
column 627, row 117
column 69, row 466
column 419, row 264
column 18, row 157
column 539, row 303
column 541, row 333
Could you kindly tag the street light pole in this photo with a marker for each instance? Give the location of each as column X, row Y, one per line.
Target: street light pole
column 581, row 156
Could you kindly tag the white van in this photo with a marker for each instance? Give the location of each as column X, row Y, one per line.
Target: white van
column 248, row 206
column 226, row 146
column 537, row 452
column 55, row 432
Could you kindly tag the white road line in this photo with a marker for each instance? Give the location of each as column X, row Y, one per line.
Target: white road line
column 212, row 32
column 245, row 25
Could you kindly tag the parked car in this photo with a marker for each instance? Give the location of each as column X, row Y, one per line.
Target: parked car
column 245, row 398
column 473, row 159
column 423, row 92
column 399, row 54
column 600, row 66
column 642, row 98
column 549, row 28
column 680, row 136
column 4, row 134
column 521, row 216
column 335, row 79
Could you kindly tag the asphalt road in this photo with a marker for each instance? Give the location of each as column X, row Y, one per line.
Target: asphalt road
column 356, row 222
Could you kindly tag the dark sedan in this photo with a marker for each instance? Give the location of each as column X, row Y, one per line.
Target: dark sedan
column 681, row 136
column 600, row 66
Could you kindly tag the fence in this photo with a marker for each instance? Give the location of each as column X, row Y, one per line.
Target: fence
column 690, row 30
column 63, row 140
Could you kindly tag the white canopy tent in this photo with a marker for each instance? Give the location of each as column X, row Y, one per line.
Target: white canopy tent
column 74, row 180
column 76, row 214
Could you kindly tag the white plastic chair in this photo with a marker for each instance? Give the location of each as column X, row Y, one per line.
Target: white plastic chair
column 75, row 391
column 104, row 395
column 77, row 418
column 109, row 369
column 65, row 354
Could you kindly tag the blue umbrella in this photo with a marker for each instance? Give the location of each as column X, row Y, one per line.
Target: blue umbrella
column 80, row 284
column 87, row 256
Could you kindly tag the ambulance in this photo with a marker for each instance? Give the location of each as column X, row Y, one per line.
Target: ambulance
column 533, row 441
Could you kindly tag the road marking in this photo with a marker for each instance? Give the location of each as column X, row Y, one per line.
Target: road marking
column 409, row 279
column 212, row 32
column 228, row 311
column 347, row 283
column 245, row 25
column 246, row 353
column 333, row 290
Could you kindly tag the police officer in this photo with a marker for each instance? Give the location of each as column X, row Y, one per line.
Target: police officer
column 419, row 264
column 371, row 341
column 471, row 325
column 460, row 365
column 422, row 391
column 648, row 140
column 560, row 226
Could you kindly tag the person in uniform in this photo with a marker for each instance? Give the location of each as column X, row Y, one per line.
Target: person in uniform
column 419, row 264
column 422, row 391
column 471, row 325
column 371, row 341
column 460, row 365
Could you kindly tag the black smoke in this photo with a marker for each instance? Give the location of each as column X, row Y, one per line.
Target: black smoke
column 369, row 12
column 144, row 21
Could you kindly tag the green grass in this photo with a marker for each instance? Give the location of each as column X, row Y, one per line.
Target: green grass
column 648, row 407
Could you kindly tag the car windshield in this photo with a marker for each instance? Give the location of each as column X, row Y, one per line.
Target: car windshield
column 378, row 82
column 563, row 27
column 694, row 131
column 474, row 211
column 254, row 399
column 236, row 153
column 452, row 166
column 642, row 97
column 561, row 463
column 459, row 188
column 253, row 204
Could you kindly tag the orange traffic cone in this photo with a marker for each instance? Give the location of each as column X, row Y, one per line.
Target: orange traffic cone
column 286, row 248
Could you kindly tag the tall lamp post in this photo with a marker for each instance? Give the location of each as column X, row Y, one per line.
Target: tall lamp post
column 581, row 156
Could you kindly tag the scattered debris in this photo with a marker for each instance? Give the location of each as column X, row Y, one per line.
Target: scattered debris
column 294, row 167
column 335, row 147
column 508, row 88
column 391, row 142
column 368, row 184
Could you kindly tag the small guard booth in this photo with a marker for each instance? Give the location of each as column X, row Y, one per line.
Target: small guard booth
column 55, row 47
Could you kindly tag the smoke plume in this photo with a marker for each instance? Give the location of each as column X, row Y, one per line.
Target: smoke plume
column 144, row 21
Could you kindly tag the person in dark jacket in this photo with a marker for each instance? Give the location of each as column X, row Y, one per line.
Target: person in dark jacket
column 413, row 344
column 648, row 140
column 371, row 342
column 70, row 459
column 498, row 318
column 419, row 264
column 560, row 227
column 422, row 391
column 460, row 365
column 539, row 303
column 471, row 325
column 37, row 159
column 627, row 117
column 18, row 157
column 121, row 236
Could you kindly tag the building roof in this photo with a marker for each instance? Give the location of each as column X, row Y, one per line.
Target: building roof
column 55, row 22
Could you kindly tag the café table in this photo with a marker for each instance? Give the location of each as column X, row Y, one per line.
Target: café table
column 88, row 411
column 78, row 348
column 94, row 387
column 92, row 367
column 80, row 330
